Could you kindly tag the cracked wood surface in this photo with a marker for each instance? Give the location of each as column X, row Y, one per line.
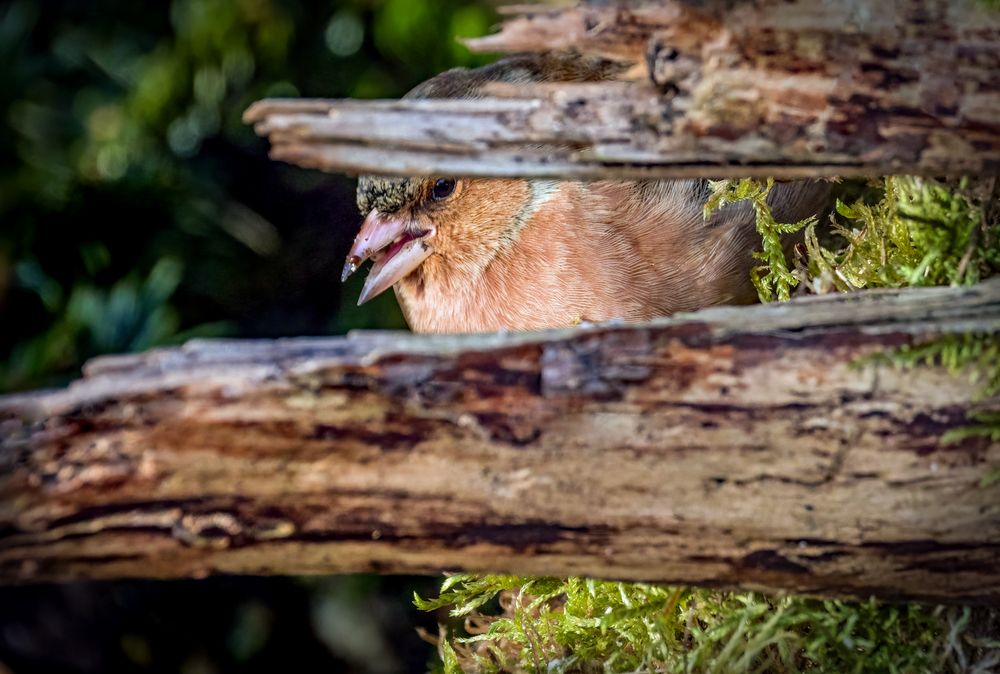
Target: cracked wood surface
column 737, row 447
column 780, row 88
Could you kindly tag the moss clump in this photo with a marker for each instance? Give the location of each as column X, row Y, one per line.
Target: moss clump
column 902, row 231
column 978, row 356
column 919, row 233
column 772, row 279
column 577, row 625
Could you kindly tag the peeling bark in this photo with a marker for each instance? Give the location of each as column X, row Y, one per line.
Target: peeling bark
column 788, row 89
column 736, row 447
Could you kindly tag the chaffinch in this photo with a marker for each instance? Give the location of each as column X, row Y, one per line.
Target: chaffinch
column 476, row 255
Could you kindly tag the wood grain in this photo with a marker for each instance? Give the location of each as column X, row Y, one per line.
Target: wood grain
column 736, row 447
column 781, row 88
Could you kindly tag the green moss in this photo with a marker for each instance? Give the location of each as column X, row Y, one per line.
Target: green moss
column 901, row 231
column 920, row 233
column 772, row 279
column 578, row 625
column 975, row 355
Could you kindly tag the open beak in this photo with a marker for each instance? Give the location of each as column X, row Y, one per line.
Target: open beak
column 395, row 246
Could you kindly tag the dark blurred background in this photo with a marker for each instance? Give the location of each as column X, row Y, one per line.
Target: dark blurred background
column 136, row 210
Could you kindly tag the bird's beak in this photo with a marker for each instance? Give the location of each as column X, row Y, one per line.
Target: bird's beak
column 396, row 246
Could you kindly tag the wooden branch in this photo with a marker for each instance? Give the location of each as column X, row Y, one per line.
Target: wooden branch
column 763, row 87
column 738, row 447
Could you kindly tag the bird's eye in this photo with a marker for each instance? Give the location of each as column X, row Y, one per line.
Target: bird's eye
column 443, row 187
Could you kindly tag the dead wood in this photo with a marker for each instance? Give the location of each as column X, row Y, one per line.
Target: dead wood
column 794, row 89
column 753, row 447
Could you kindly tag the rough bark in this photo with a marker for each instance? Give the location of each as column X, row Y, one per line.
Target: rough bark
column 784, row 88
column 737, row 447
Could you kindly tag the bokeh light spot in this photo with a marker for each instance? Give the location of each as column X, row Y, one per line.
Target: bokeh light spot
column 112, row 162
column 344, row 34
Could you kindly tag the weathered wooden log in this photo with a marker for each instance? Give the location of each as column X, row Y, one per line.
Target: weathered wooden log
column 754, row 447
column 783, row 88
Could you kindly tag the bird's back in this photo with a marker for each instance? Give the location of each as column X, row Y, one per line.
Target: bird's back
column 697, row 262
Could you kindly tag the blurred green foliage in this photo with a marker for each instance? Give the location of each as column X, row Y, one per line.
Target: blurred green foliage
column 139, row 210
column 341, row 624
column 136, row 209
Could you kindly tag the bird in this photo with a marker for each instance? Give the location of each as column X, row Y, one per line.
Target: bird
column 486, row 255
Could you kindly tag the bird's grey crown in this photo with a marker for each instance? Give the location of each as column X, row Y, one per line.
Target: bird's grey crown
column 392, row 194
column 386, row 195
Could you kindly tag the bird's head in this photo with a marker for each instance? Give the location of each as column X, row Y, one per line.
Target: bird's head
column 432, row 228
column 447, row 229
